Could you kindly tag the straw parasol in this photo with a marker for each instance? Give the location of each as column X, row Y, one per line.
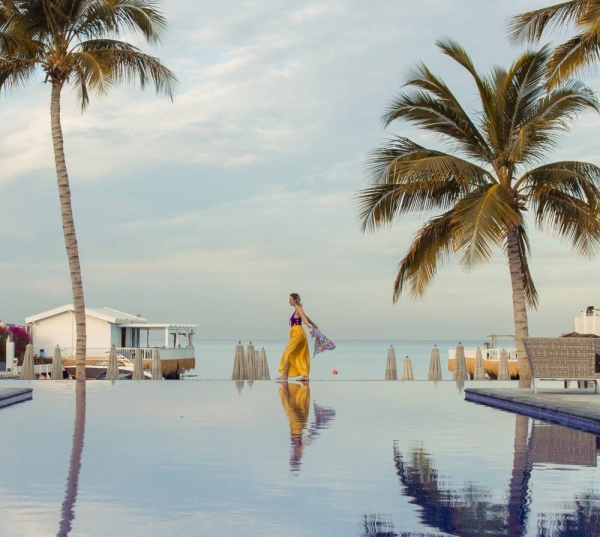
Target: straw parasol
column 112, row 371
column 460, row 364
column 27, row 370
column 435, row 368
column 479, row 373
column 239, row 363
column 138, row 366
column 407, row 372
column 250, row 362
column 57, row 366
column 156, row 365
column 391, row 371
column 503, row 373
column 262, row 366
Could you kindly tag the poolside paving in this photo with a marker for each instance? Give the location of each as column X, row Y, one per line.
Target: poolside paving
column 574, row 408
column 11, row 396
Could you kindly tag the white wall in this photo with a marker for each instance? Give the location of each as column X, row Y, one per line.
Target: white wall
column 587, row 324
column 60, row 330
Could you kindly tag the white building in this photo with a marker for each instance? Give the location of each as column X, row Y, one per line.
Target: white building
column 588, row 322
column 106, row 327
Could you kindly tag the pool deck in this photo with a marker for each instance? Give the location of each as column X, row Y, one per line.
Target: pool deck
column 574, row 408
column 11, row 396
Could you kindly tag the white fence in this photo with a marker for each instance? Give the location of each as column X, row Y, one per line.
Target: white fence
column 166, row 353
column 487, row 354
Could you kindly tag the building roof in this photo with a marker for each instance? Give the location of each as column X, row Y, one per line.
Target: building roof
column 106, row 314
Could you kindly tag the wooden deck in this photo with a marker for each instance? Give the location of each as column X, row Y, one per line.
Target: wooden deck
column 574, row 408
column 11, row 396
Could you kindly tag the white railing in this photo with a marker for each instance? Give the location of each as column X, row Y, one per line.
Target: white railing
column 487, row 354
column 166, row 353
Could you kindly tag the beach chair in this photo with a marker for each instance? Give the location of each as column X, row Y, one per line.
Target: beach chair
column 566, row 359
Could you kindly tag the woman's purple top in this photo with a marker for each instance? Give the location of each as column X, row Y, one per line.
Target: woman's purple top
column 295, row 321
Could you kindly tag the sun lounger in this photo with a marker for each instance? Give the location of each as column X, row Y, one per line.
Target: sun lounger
column 567, row 359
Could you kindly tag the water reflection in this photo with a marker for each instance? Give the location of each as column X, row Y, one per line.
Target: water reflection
column 295, row 399
column 469, row 510
column 68, row 506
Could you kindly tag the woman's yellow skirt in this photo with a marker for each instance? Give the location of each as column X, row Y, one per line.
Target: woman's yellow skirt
column 296, row 353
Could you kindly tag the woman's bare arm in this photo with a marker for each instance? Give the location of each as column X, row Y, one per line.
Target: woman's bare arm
column 304, row 317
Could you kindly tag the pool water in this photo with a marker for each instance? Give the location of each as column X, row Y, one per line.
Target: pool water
column 369, row 458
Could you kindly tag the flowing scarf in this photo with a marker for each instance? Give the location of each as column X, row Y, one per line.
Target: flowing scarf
column 322, row 343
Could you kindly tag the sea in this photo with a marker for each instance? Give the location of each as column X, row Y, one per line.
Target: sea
column 350, row 360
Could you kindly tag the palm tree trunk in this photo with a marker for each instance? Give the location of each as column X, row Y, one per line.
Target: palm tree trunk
column 519, row 308
column 518, row 505
column 69, row 231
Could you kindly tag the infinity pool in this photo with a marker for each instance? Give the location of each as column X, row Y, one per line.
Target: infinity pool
column 330, row 458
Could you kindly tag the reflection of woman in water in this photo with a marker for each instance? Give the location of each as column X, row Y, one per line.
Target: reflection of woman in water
column 296, row 357
column 295, row 399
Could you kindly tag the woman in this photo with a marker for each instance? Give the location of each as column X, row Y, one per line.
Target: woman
column 296, row 357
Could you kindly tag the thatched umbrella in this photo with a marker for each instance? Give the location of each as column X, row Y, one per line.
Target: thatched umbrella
column 263, row 366
column 250, row 362
column 239, row 363
column 479, row 373
column 138, row 366
column 435, row 368
column 391, row 370
column 503, row 373
column 460, row 364
column 112, row 371
column 156, row 365
column 57, row 365
column 27, row 370
column 407, row 370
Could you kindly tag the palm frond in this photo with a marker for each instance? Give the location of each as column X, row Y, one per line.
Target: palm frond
column 487, row 95
column 104, row 18
column 16, row 73
column 456, row 123
column 431, row 245
column 530, row 26
column 572, row 57
column 569, row 207
column 579, row 179
column 548, row 118
column 481, row 221
column 120, row 62
column 408, row 178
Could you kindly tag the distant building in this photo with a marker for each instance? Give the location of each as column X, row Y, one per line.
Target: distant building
column 588, row 322
column 106, row 327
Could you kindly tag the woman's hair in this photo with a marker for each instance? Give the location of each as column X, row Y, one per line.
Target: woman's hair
column 296, row 297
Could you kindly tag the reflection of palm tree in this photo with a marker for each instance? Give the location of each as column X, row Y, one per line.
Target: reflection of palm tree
column 583, row 520
column 519, row 481
column 463, row 511
column 68, row 506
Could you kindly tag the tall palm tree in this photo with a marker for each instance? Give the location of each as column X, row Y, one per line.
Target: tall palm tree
column 484, row 194
column 571, row 57
column 77, row 42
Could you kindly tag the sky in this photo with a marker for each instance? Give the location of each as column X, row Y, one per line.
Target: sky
column 214, row 208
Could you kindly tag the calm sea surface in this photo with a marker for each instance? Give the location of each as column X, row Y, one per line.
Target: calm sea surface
column 353, row 360
column 345, row 458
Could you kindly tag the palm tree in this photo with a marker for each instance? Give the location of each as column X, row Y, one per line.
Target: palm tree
column 578, row 53
column 484, row 194
column 77, row 42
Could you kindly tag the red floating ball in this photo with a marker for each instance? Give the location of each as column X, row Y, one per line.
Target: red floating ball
column 334, row 371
